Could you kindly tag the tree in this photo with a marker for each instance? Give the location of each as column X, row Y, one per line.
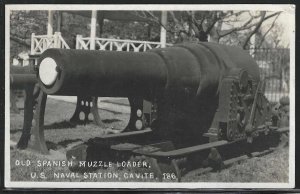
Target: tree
column 271, row 35
column 22, row 25
column 213, row 25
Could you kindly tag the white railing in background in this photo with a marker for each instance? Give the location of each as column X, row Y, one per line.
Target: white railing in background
column 116, row 44
column 39, row 43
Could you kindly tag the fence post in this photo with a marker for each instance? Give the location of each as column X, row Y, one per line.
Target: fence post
column 93, row 29
column 32, row 43
column 78, row 38
column 58, row 39
column 163, row 31
column 111, row 46
column 55, row 41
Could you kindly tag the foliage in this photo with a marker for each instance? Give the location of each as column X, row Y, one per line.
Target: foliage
column 22, row 24
column 235, row 27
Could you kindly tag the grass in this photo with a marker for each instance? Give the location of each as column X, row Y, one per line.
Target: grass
column 60, row 135
column 270, row 168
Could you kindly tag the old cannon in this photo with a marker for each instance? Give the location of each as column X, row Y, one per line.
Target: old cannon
column 20, row 77
column 185, row 100
column 24, row 79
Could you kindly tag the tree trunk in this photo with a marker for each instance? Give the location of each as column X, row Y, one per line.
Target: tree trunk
column 202, row 36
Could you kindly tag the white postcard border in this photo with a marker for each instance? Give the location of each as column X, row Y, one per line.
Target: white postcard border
column 290, row 9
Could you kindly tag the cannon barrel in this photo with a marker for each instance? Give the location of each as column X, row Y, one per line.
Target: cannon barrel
column 192, row 68
column 99, row 73
column 184, row 82
column 20, row 76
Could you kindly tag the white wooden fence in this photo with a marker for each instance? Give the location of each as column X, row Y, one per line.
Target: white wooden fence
column 39, row 43
column 116, row 44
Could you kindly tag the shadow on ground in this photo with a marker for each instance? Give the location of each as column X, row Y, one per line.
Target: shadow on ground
column 64, row 143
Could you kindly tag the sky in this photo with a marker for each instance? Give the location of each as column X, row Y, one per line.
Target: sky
column 287, row 23
column 283, row 20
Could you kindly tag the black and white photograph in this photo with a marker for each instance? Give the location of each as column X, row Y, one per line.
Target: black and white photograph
column 149, row 96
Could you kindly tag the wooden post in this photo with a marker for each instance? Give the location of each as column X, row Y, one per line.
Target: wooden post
column 78, row 38
column 50, row 23
column 59, row 15
column 58, row 41
column 32, row 44
column 163, row 32
column 93, row 29
column 55, row 43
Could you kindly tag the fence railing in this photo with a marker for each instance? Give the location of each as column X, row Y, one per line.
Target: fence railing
column 116, row 44
column 274, row 66
column 39, row 43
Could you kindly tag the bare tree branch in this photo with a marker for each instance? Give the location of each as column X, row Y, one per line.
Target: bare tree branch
column 265, row 34
column 243, row 27
column 246, row 25
column 263, row 14
column 215, row 20
column 149, row 15
column 201, row 24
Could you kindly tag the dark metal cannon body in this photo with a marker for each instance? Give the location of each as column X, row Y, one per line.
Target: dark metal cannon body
column 187, row 103
column 21, row 76
column 184, row 81
column 195, row 67
column 24, row 79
